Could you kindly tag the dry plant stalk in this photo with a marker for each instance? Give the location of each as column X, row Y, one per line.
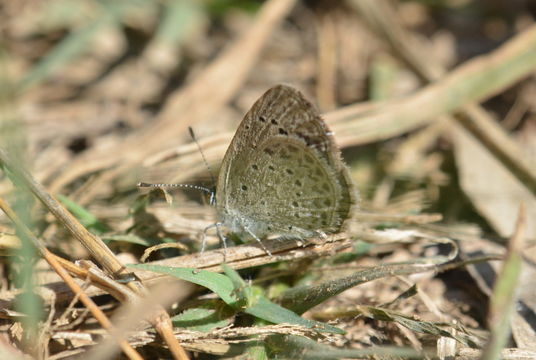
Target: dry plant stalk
column 95, row 246
column 77, row 290
column 485, row 75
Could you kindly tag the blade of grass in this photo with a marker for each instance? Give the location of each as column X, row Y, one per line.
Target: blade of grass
column 425, row 327
column 23, row 267
column 90, row 221
column 106, row 258
column 206, row 317
column 130, row 238
column 68, row 49
column 217, row 283
column 504, row 293
column 86, row 300
column 224, row 287
column 304, row 297
column 78, row 41
column 260, row 306
column 91, row 242
column 297, row 347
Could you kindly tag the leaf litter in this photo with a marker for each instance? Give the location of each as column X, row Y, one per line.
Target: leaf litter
column 102, row 100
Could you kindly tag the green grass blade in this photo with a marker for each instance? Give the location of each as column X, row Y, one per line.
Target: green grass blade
column 223, row 285
column 68, row 49
column 302, row 298
column 504, row 293
column 86, row 218
column 297, row 347
column 205, row 317
column 217, row 283
column 269, row 311
column 129, row 238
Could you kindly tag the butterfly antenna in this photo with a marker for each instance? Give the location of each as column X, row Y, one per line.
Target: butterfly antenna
column 187, row 186
column 194, row 138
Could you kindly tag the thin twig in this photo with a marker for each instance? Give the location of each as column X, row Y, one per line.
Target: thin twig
column 84, row 298
column 94, row 245
column 238, row 257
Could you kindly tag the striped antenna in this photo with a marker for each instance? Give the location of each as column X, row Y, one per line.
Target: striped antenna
column 194, row 138
column 162, row 186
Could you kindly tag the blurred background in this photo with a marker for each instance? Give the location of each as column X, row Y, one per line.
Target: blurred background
column 96, row 96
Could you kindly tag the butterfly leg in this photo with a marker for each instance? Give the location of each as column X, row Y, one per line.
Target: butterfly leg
column 222, row 238
column 258, row 240
column 320, row 234
column 204, row 238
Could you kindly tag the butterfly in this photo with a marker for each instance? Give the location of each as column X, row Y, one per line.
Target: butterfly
column 282, row 173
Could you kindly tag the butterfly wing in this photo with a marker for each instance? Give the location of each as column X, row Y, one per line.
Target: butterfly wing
column 282, row 173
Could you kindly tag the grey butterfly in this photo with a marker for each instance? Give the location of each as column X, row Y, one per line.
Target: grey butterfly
column 282, row 173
